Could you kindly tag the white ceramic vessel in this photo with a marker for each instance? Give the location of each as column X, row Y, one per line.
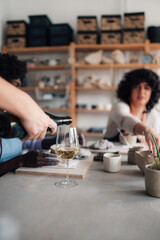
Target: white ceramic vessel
column 152, row 181
column 112, row 162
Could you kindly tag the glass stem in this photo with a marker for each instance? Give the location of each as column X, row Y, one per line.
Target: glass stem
column 67, row 175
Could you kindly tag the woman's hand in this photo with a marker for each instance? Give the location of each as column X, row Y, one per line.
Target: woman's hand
column 140, row 129
column 148, row 132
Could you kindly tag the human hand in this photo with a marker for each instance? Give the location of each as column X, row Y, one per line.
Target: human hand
column 148, row 132
column 37, row 124
column 36, row 159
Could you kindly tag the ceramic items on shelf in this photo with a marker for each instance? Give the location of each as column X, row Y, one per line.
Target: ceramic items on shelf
column 92, row 81
column 133, row 59
column 106, row 60
column 118, row 57
column 147, row 58
column 94, row 58
column 156, row 57
column 112, row 162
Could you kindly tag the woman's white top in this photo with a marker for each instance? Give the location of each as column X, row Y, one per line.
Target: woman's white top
column 120, row 117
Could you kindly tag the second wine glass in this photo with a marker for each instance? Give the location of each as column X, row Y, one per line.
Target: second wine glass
column 67, row 147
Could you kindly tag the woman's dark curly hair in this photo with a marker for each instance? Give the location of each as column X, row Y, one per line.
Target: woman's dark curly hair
column 11, row 68
column 135, row 77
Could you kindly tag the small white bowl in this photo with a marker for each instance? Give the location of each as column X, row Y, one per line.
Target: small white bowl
column 129, row 139
column 112, row 162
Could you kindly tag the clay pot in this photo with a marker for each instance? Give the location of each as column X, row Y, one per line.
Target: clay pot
column 112, row 162
column 143, row 158
column 128, row 140
column 152, row 181
column 131, row 154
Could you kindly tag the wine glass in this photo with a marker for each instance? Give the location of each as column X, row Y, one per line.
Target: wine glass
column 67, row 147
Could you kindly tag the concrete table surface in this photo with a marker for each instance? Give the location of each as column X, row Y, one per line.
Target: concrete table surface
column 103, row 206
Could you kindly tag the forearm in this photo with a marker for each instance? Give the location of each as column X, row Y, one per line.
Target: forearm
column 140, row 128
column 148, row 132
column 11, row 95
column 10, row 165
column 32, row 117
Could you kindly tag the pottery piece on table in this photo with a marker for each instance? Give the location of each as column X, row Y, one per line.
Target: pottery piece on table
column 142, row 159
column 152, row 181
column 130, row 139
column 112, row 162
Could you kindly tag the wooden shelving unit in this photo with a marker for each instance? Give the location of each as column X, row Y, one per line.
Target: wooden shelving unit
column 96, row 110
column 108, row 88
column 35, row 50
column 73, row 51
column 56, row 109
column 43, row 67
column 43, row 89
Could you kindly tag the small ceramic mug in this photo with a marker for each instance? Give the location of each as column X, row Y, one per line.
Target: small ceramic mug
column 112, row 162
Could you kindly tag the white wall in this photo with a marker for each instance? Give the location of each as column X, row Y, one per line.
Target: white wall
column 60, row 11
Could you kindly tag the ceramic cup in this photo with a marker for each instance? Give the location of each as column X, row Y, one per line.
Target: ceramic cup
column 132, row 154
column 128, row 140
column 112, row 162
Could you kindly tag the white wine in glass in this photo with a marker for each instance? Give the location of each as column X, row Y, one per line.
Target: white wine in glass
column 67, row 147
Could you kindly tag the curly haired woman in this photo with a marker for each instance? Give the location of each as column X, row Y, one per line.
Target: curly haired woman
column 138, row 93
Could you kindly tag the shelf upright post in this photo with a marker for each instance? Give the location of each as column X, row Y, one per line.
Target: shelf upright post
column 72, row 84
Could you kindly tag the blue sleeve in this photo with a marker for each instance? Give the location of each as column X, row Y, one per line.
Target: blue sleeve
column 10, row 148
column 32, row 145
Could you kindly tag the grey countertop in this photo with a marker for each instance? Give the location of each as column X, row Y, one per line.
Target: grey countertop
column 103, row 206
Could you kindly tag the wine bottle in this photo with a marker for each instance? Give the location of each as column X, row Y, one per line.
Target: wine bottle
column 10, row 125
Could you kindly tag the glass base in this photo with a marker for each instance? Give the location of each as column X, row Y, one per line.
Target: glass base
column 66, row 183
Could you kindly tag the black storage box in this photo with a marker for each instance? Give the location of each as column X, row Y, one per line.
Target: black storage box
column 110, row 22
column 34, row 31
column 37, row 41
column 40, row 20
column 87, row 37
column 59, row 40
column 37, row 36
column 60, row 34
column 60, row 29
column 110, row 37
column 153, row 34
column 16, row 27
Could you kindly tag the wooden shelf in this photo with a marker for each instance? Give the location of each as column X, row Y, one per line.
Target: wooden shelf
column 83, row 88
column 111, row 47
column 35, row 50
column 43, row 89
column 56, row 109
column 110, row 66
column 154, row 46
column 81, row 110
column 43, row 67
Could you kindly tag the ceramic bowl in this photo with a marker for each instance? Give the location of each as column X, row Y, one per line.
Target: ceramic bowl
column 129, row 139
column 112, row 162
